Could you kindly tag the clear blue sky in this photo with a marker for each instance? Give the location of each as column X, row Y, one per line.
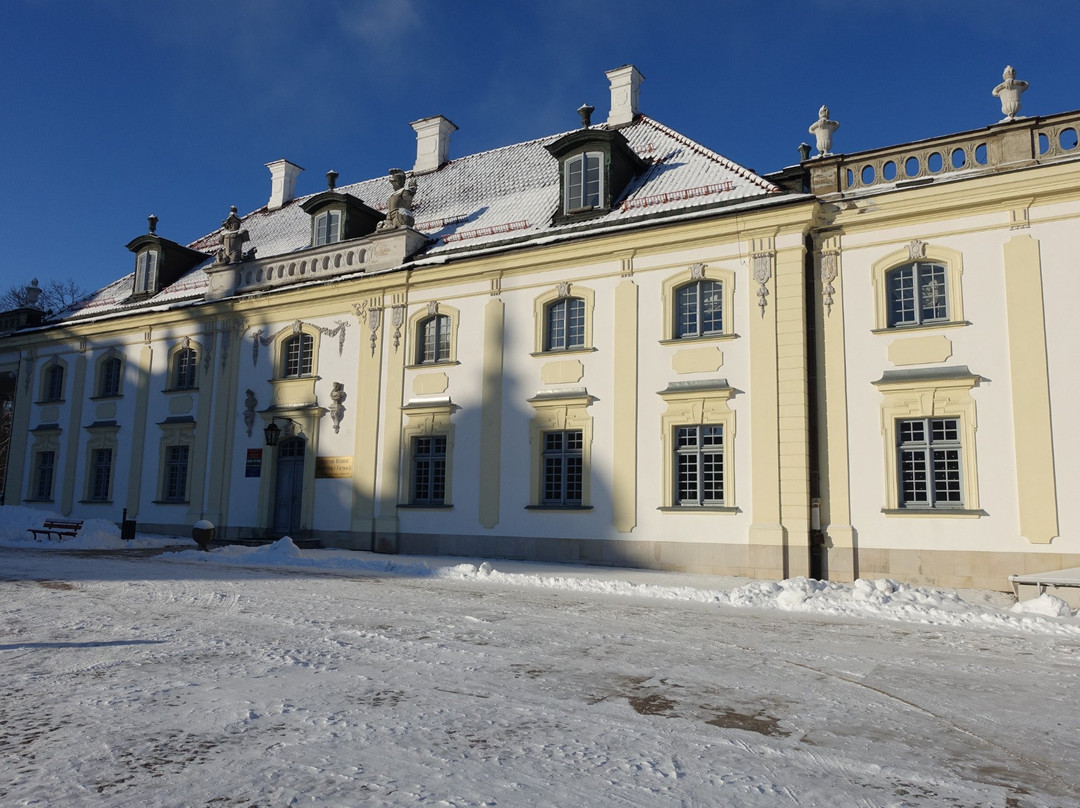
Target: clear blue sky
column 114, row 109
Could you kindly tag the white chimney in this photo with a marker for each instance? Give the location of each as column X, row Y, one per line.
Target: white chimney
column 283, row 176
column 625, row 89
column 432, row 142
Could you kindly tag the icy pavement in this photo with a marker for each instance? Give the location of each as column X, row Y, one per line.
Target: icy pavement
column 279, row 676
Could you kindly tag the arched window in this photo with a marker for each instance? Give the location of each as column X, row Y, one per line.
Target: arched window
column 917, row 293
column 297, row 356
column 327, row 228
column 434, row 340
column 185, row 365
column 584, row 181
column 699, row 309
column 564, row 324
column 109, row 377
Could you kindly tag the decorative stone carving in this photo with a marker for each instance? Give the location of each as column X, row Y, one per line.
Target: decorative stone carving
column 232, row 241
column 372, row 317
column 916, row 249
column 250, row 403
column 432, row 308
column 830, row 262
column 399, row 211
column 397, row 316
column 563, row 289
column 763, row 274
column 1009, row 91
column 337, row 407
column 697, row 272
column 296, row 327
column 823, row 130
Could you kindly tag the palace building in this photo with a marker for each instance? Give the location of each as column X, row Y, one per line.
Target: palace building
column 610, row 345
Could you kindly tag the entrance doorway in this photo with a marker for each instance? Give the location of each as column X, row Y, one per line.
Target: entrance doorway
column 289, row 487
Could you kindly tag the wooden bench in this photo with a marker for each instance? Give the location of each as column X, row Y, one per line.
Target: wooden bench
column 56, row 527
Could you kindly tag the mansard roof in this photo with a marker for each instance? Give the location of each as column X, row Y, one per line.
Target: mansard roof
column 495, row 199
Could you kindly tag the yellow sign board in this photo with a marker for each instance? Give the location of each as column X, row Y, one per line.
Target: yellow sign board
column 333, row 467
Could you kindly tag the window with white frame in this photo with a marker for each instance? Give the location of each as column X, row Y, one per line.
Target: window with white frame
column 174, row 484
column 109, row 377
column 699, row 309
column 929, row 451
column 429, row 470
column 185, row 367
column 53, row 388
column 327, row 228
column 434, row 340
column 699, row 465
column 44, row 472
column 297, row 356
column 917, row 294
column 99, row 489
column 584, row 181
column 564, row 324
column 563, row 467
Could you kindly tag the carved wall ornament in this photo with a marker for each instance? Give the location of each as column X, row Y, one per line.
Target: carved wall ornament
column 297, row 327
column 432, row 308
column 697, row 272
column 763, row 274
column 916, row 249
column 337, row 406
column 250, row 403
column 822, row 130
column 397, row 317
column 374, row 322
column 1009, row 91
column 563, row 289
column 496, row 287
column 830, row 269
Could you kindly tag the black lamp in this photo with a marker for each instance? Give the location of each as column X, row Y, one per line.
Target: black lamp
column 272, row 433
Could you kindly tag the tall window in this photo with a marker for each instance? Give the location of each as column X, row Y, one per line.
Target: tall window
column 44, row 471
column 54, row 383
column 328, row 227
column 429, row 470
column 100, row 475
column 563, row 465
column 564, row 325
column 297, row 356
column 917, row 294
column 176, row 473
column 146, row 268
column 699, row 309
column 434, row 340
column 109, row 377
column 699, row 465
column 929, row 453
column 584, row 181
column 184, row 375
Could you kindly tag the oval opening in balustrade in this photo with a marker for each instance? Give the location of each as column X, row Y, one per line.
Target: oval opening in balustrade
column 281, row 271
column 325, row 261
column 1068, row 139
column 292, row 269
column 348, row 258
column 361, row 256
column 958, row 158
column 1044, row 143
column 850, row 178
column 911, row 166
column 934, row 163
column 888, row 171
column 258, row 275
column 867, row 175
column 980, row 154
column 303, row 267
column 247, row 277
column 337, row 260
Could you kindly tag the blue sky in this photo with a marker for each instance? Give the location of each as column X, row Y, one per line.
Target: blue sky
column 114, row 109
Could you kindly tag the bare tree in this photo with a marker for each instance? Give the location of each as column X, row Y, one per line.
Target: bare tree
column 55, row 295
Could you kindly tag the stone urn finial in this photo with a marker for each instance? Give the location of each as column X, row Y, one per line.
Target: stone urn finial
column 823, row 130
column 586, row 111
column 1009, row 91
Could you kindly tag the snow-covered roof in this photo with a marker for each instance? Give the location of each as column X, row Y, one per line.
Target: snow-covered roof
column 505, row 195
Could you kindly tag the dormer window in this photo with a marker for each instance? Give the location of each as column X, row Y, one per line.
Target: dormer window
column 146, row 270
column 584, row 181
column 327, row 228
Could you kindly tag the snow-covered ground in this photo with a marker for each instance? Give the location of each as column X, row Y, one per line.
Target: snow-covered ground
column 278, row 676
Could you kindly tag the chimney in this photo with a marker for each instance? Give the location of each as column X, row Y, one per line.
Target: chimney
column 625, row 89
column 283, row 176
column 432, row 142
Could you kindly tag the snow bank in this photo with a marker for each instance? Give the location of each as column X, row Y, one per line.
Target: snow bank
column 95, row 534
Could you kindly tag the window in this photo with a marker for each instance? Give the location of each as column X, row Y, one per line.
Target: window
column 176, row 473
column 109, row 377
column 563, row 467
column 100, row 475
column 929, row 452
column 429, row 470
column 565, row 324
column 584, row 181
column 44, row 470
column 699, row 309
column 699, row 465
column 434, row 340
column 53, row 389
column 918, row 294
column 184, row 369
column 328, row 228
column 297, row 355
column 146, row 270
